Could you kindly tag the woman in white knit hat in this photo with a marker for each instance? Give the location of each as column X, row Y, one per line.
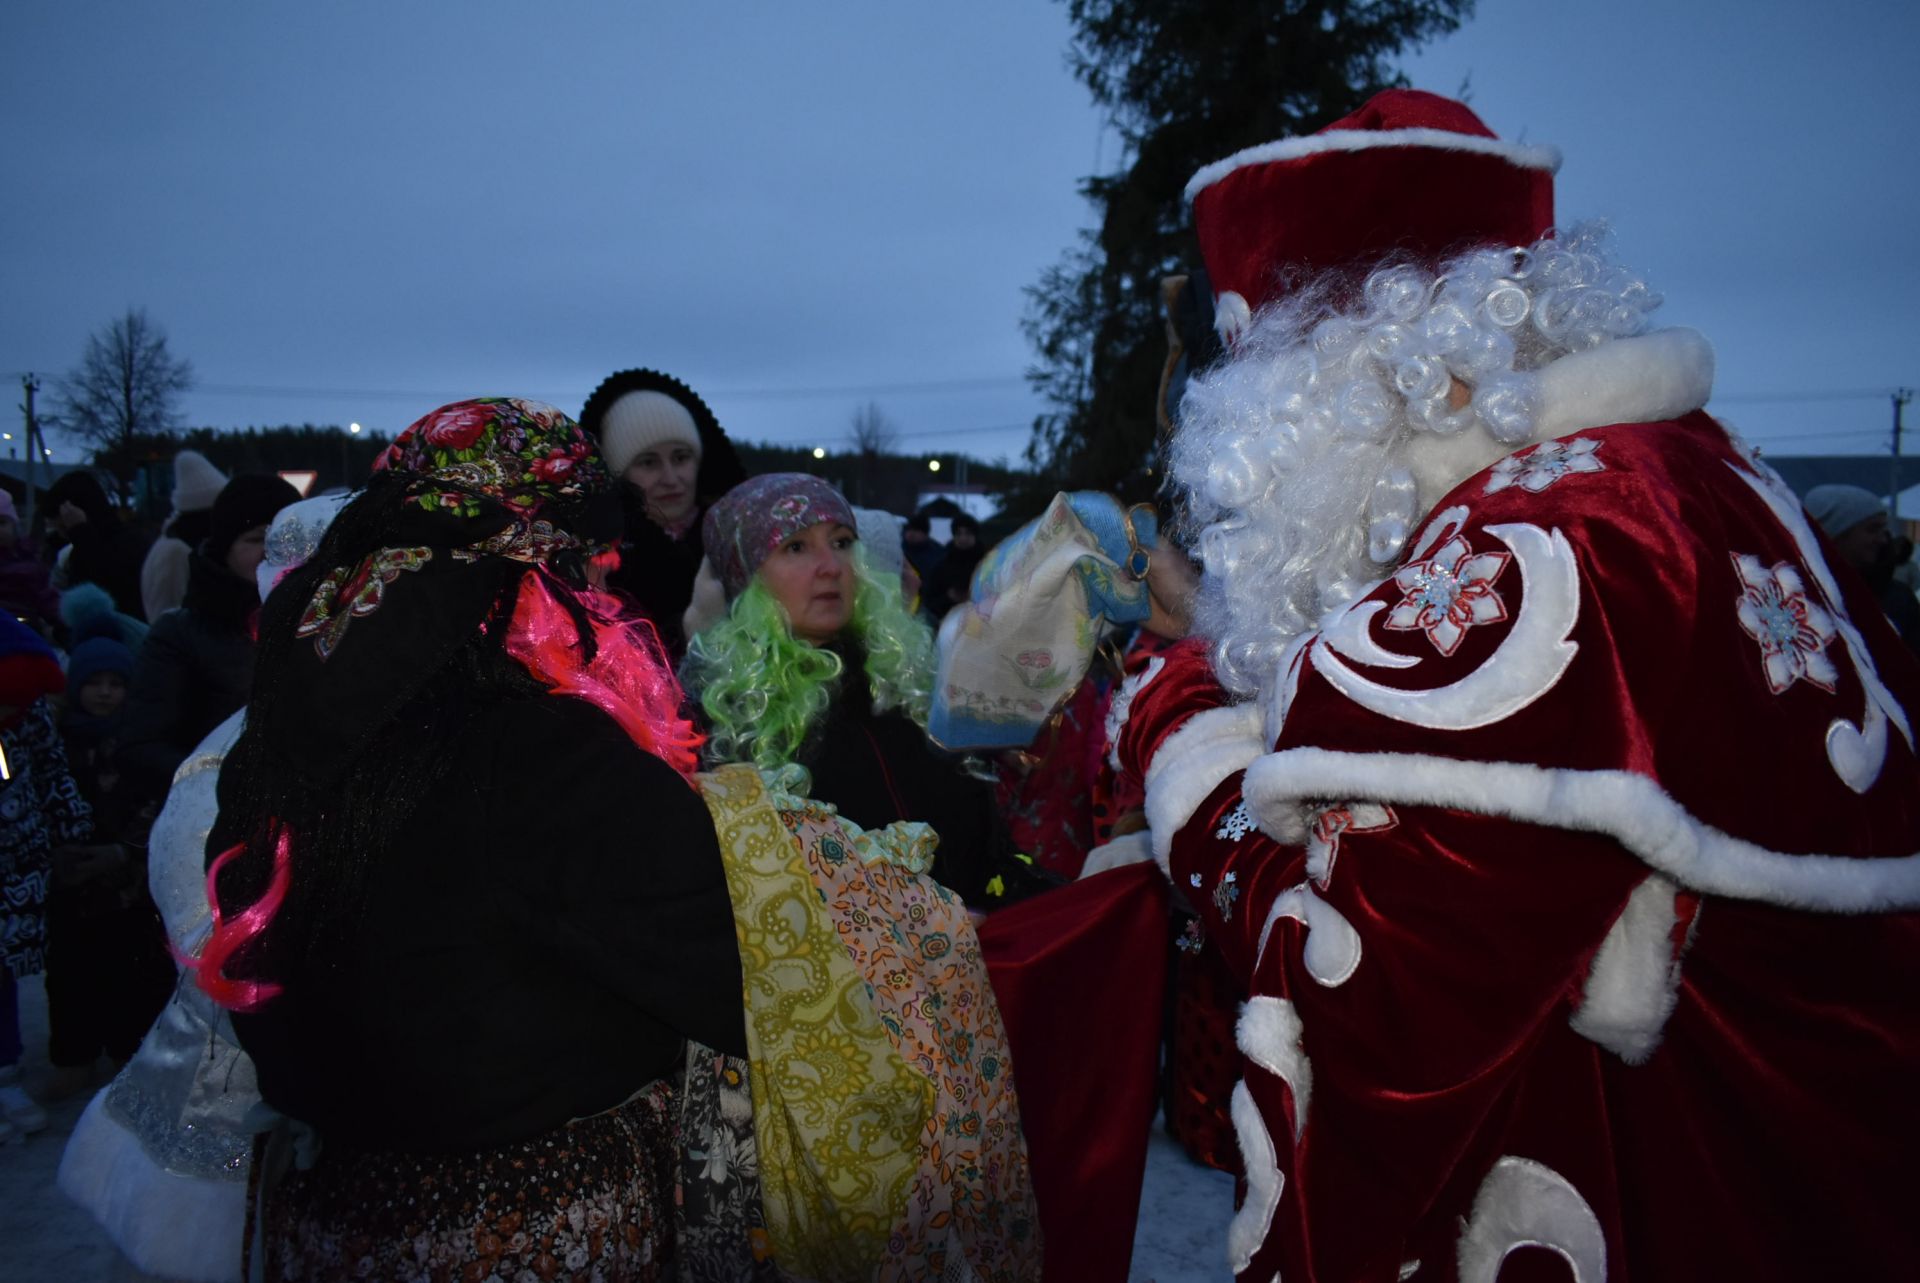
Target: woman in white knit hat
column 163, row 576
column 663, row 442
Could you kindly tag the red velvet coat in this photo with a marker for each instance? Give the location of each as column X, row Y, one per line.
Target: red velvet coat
column 1577, row 895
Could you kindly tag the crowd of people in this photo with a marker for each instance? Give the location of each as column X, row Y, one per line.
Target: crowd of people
column 1485, row 822
column 111, row 685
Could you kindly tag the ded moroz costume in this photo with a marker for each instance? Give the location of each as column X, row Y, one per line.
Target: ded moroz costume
column 1543, row 773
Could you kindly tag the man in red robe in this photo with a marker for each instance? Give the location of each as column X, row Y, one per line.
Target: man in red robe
column 1545, row 776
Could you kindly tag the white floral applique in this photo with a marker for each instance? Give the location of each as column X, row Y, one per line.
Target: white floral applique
column 1792, row 630
column 1448, row 593
column 1545, row 464
column 1331, row 824
column 1238, row 824
column 1225, row 894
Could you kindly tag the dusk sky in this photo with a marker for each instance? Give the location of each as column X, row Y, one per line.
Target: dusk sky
column 357, row 211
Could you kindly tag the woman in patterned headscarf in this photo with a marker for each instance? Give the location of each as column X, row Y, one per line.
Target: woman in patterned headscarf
column 901, row 1049
column 465, row 985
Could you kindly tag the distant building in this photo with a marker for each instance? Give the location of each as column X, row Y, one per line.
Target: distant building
column 943, row 503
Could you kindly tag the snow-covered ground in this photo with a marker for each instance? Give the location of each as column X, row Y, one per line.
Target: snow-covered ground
column 1181, row 1237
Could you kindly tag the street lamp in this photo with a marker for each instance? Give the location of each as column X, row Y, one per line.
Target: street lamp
column 933, row 465
column 819, row 452
column 346, row 459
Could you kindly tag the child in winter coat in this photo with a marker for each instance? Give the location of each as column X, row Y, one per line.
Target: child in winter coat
column 108, row 971
column 40, row 808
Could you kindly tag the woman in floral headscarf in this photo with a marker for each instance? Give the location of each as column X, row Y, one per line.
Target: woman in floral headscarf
column 874, row 947
column 465, row 984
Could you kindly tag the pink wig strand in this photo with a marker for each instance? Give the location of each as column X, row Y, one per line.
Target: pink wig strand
column 230, row 937
column 628, row 678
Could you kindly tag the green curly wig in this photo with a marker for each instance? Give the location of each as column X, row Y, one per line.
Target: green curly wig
column 762, row 688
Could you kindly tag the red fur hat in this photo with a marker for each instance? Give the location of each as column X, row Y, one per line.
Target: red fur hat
column 1409, row 173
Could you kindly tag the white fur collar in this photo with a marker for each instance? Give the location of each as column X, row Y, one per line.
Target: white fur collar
column 1656, row 376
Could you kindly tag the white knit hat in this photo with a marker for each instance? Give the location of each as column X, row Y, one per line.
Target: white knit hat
column 640, row 421
column 1839, row 507
column 196, row 482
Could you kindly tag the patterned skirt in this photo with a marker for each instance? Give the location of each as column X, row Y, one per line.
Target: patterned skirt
column 591, row 1200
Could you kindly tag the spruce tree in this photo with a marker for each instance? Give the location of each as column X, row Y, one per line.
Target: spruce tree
column 1185, row 83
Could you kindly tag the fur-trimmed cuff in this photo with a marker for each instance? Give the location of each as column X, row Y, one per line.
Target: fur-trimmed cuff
column 1190, row 764
column 1635, row 979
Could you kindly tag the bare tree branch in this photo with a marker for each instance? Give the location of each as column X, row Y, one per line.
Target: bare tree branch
column 872, row 435
column 125, row 386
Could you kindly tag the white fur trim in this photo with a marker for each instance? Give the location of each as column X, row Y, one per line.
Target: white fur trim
column 169, row 1225
column 1519, row 155
column 1332, row 949
column 1653, row 377
column 1231, row 315
column 1134, row 848
column 1527, row 1204
column 1122, row 705
column 1645, row 379
column 1265, row 1181
column 1635, row 980
column 1190, row 764
column 1269, row 1033
column 1631, row 809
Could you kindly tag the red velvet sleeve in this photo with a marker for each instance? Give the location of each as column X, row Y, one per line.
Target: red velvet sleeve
column 1407, row 971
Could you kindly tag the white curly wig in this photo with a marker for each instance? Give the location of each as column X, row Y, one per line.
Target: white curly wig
column 1296, row 459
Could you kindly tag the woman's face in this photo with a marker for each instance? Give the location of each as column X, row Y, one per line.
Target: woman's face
column 811, row 576
column 664, row 477
column 247, row 552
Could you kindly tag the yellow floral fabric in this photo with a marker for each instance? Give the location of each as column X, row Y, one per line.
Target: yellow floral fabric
column 837, row 1115
column 919, row 980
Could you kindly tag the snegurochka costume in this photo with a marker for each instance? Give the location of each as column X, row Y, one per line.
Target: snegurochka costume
column 1570, row 862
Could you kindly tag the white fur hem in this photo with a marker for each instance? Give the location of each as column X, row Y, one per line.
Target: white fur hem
column 1519, row 155
column 1269, row 1034
column 1635, row 980
column 1629, row 808
column 1134, row 848
column 1527, row 1204
column 169, row 1225
column 1250, row 1225
column 1191, row 762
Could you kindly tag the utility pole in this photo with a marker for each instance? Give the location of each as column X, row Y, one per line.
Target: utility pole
column 35, row 447
column 1900, row 398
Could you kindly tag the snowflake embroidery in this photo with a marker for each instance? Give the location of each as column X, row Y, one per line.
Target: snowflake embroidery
column 1331, row 823
column 1792, row 631
column 1224, row 895
column 1193, row 880
column 1545, row 464
column 1449, row 593
column 1238, row 824
column 1191, row 939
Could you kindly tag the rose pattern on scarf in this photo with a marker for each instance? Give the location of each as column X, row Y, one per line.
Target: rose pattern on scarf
column 350, row 593
column 1793, row 632
column 1449, row 593
column 1545, row 464
column 521, row 453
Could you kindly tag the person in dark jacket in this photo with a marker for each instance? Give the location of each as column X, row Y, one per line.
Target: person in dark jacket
column 446, row 952
column 101, row 548
column 951, row 580
column 818, row 663
column 672, row 459
column 26, row 592
column 108, row 970
column 196, row 665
